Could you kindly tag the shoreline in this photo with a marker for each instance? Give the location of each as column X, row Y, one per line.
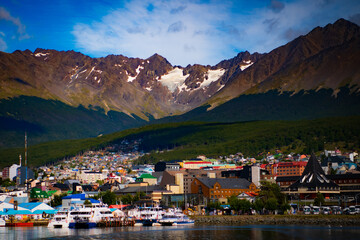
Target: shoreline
column 323, row 220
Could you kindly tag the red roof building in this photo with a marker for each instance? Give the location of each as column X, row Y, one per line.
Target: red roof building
column 290, row 168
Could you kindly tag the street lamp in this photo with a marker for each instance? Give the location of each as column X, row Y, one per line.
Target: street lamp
column 356, row 198
column 305, row 199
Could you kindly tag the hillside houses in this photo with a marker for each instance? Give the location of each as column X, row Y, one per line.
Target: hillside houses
column 203, row 179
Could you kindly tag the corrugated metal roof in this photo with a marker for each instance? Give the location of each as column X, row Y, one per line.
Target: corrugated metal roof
column 226, row 183
column 81, row 196
column 30, row 205
column 18, row 212
column 46, row 211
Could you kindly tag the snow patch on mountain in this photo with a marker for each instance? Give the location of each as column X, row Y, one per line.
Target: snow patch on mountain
column 139, row 68
column 130, row 78
column 173, row 79
column 212, row 76
column 248, row 63
column 183, row 87
column 93, row 68
column 41, row 54
column 221, row 87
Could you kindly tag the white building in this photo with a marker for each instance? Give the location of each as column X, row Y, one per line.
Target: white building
column 91, row 176
column 13, row 171
column 5, row 205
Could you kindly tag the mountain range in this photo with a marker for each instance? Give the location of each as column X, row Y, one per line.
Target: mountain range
column 62, row 95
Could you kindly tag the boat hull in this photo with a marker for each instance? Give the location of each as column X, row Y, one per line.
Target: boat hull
column 20, row 224
column 185, row 223
column 147, row 223
column 58, row 225
column 82, row 225
column 167, row 223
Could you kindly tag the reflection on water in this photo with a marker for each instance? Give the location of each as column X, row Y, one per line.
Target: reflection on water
column 267, row 232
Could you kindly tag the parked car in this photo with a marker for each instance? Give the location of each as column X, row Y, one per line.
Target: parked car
column 315, row 210
column 352, row 210
column 336, row 210
column 346, row 211
column 325, row 210
column 307, row 210
column 357, row 207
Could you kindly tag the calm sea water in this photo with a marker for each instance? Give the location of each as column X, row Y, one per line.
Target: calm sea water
column 268, row 232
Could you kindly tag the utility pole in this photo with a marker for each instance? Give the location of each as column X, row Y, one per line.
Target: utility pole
column 26, row 162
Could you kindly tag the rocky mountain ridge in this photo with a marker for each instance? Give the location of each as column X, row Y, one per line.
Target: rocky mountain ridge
column 137, row 86
column 324, row 58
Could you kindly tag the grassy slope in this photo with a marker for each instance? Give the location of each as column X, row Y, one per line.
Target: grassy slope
column 187, row 140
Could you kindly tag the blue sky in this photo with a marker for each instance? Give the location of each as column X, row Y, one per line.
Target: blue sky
column 184, row 32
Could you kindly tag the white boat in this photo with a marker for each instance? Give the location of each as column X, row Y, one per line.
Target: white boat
column 184, row 220
column 82, row 218
column 2, row 222
column 146, row 216
column 168, row 219
column 89, row 217
column 175, row 218
column 60, row 220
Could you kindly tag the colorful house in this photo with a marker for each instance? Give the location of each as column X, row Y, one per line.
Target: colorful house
column 38, row 193
column 146, row 177
column 219, row 189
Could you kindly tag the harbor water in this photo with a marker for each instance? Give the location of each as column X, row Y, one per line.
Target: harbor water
column 268, row 232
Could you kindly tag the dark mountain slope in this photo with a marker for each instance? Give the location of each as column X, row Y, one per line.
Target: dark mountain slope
column 296, row 52
column 49, row 120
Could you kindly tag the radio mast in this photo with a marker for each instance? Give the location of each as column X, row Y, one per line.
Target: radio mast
column 25, row 149
column 26, row 161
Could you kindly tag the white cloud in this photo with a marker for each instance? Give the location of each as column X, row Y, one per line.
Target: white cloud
column 189, row 32
column 21, row 29
column 3, row 45
column 182, row 32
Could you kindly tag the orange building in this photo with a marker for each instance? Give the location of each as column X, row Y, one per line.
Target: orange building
column 290, row 168
column 221, row 188
column 286, row 168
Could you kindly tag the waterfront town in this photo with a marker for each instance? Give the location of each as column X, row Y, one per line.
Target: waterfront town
column 273, row 183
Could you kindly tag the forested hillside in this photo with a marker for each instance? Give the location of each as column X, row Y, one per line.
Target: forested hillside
column 188, row 140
